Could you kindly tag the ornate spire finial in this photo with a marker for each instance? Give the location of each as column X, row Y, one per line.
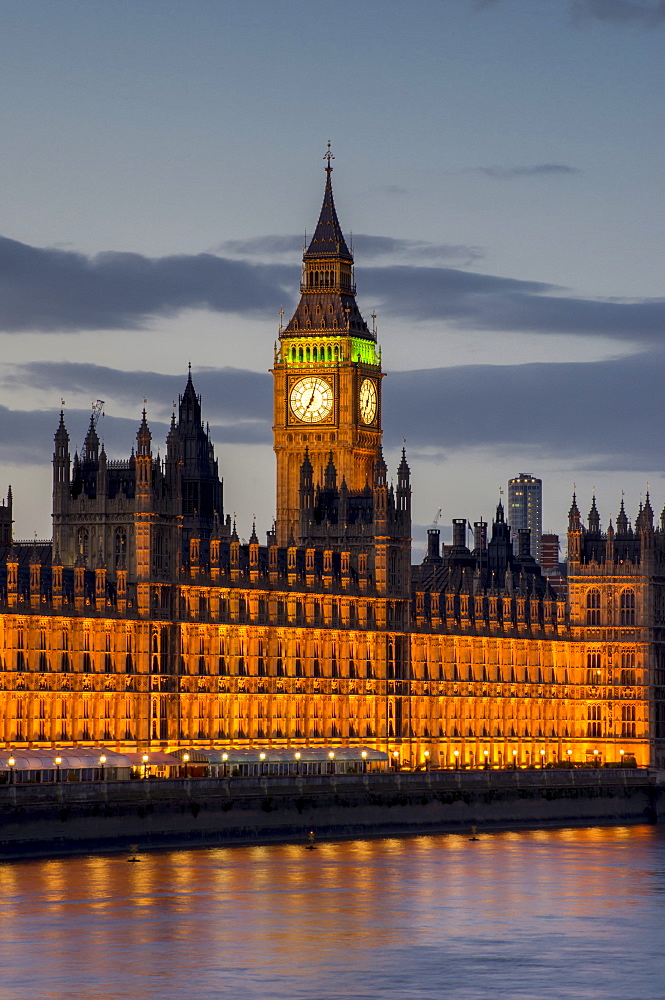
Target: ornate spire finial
column 328, row 155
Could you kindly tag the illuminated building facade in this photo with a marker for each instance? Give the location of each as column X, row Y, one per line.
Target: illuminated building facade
column 147, row 623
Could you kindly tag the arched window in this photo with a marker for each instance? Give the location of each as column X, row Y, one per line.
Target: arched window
column 628, row 669
column 627, row 607
column 594, row 721
column 628, row 721
column 593, row 607
column 120, row 545
column 593, row 674
column 82, row 543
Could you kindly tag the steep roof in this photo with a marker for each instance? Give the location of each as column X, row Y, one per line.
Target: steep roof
column 328, row 239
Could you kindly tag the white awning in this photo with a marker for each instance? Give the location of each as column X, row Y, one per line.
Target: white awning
column 70, row 757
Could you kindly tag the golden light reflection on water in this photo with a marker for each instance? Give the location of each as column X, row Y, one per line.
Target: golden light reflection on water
column 349, row 919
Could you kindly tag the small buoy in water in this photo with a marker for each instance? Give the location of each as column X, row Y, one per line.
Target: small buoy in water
column 132, row 850
column 311, row 846
column 473, row 834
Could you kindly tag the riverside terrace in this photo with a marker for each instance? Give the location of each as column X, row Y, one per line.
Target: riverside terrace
column 69, row 764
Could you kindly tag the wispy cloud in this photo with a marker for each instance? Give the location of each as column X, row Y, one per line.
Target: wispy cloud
column 649, row 13
column 535, row 170
column 367, row 248
column 262, row 246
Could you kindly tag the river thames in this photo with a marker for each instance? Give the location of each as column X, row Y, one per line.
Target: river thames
column 555, row 914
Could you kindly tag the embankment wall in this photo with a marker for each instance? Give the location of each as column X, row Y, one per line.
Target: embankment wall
column 113, row 815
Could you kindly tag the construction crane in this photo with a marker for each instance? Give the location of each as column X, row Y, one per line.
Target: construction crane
column 97, row 411
column 437, row 517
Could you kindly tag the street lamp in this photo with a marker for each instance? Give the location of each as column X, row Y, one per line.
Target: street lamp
column 595, row 758
column 456, row 756
column 185, row 758
column 486, row 755
column 514, row 760
column 426, row 756
column 363, row 754
column 102, row 761
column 569, row 753
column 621, row 753
column 57, row 762
column 225, row 757
column 542, row 759
column 331, row 765
column 11, row 763
column 395, row 758
column 262, row 757
column 297, row 757
column 145, row 760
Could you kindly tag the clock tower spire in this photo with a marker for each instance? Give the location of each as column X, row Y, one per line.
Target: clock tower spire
column 327, row 374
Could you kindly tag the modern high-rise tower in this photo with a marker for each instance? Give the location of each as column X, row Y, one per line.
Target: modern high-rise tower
column 525, row 508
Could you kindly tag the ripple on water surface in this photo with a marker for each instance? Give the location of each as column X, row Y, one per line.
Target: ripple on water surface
column 572, row 914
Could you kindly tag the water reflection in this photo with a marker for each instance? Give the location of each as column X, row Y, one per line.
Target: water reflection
column 566, row 914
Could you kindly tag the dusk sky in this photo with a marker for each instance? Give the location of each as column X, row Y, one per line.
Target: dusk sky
column 500, row 164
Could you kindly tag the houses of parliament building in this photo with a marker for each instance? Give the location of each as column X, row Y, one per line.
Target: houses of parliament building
column 146, row 623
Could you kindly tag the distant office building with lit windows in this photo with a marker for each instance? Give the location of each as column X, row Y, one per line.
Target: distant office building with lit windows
column 525, row 508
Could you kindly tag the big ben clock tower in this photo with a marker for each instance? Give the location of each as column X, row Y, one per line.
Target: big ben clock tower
column 327, row 375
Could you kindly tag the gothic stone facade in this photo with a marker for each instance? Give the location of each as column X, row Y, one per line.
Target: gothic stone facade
column 147, row 623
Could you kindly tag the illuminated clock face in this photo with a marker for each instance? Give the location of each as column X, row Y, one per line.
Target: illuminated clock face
column 367, row 399
column 312, row 399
